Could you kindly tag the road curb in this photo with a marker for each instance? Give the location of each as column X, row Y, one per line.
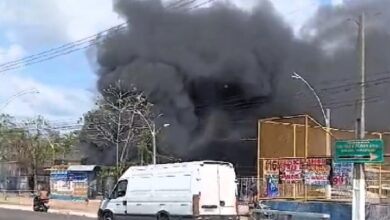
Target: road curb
column 54, row 211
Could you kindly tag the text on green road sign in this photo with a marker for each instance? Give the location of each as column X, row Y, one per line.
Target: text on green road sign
column 359, row 151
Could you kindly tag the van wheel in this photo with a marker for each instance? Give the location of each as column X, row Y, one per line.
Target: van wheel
column 108, row 216
column 163, row 216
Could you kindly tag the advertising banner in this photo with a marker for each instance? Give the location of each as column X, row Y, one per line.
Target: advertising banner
column 271, row 169
column 342, row 174
column 272, row 187
column 291, row 170
column 317, row 171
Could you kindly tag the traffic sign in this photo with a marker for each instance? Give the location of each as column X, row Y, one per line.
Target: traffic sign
column 359, row 151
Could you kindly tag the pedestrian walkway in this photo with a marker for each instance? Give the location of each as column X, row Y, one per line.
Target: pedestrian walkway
column 54, row 211
column 90, row 206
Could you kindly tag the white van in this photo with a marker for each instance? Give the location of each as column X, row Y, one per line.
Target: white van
column 193, row 190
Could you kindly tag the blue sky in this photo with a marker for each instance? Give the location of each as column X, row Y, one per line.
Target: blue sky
column 67, row 84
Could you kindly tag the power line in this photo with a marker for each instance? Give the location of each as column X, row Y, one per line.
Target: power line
column 59, row 125
column 293, row 12
column 240, row 104
column 67, row 48
column 90, row 40
column 353, row 78
column 82, row 41
column 183, row 4
column 174, row 4
column 43, row 60
column 346, row 87
column 201, row 4
column 87, row 42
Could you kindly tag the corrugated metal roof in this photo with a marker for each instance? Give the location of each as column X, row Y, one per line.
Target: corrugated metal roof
column 85, row 168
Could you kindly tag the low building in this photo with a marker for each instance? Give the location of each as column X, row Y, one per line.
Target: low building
column 74, row 182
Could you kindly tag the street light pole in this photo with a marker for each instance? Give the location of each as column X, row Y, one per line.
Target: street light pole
column 297, row 76
column 153, row 131
column 326, row 115
column 154, row 142
column 325, row 112
column 327, row 124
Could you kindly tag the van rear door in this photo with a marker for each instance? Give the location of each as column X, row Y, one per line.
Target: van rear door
column 218, row 189
column 227, row 190
column 209, row 193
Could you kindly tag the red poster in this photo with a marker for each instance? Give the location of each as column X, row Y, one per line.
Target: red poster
column 291, row 170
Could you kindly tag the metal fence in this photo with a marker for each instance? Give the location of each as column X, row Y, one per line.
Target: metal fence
column 247, row 189
column 253, row 189
column 377, row 188
column 22, row 186
column 22, row 183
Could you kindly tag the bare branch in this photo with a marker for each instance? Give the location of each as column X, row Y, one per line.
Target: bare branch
column 122, row 113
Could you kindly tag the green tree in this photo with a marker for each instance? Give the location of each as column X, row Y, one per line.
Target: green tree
column 33, row 144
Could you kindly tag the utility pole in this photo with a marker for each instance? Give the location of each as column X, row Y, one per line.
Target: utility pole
column 359, row 193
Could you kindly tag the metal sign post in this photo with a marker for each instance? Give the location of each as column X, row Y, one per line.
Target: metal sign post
column 359, row 152
column 359, row 192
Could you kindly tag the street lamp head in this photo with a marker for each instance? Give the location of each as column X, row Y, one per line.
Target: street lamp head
column 295, row 75
column 166, row 125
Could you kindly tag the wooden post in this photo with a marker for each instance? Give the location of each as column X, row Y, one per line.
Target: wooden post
column 306, row 136
column 258, row 158
column 380, row 182
column 295, row 155
column 295, row 140
column 261, row 178
column 306, row 146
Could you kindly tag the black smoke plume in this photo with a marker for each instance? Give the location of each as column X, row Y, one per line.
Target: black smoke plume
column 214, row 71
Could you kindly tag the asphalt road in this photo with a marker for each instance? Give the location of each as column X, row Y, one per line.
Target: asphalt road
column 6, row 214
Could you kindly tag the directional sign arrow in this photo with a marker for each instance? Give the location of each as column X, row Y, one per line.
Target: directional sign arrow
column 373, row 156
column 355, row 157
column 360, row 151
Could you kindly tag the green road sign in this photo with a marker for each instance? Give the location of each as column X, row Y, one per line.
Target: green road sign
column 359, row 151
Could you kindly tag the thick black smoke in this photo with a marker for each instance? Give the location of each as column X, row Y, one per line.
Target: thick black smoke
column 214, row 71
column 335, row 30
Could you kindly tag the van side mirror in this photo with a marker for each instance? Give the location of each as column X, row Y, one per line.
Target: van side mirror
column 121, row 193
column 106, row 195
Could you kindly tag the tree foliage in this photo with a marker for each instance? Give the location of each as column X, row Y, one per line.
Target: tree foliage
column 32, row 144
